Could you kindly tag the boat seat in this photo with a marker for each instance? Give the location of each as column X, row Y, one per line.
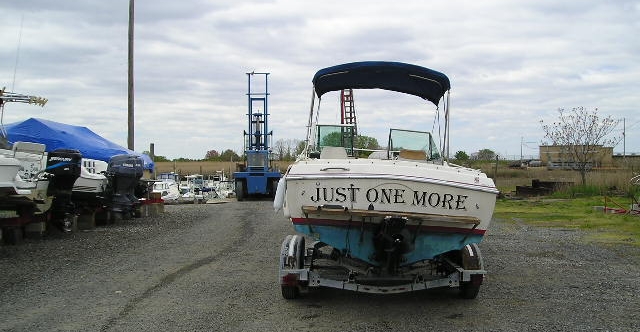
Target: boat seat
column 412, row 155
column 333, row 152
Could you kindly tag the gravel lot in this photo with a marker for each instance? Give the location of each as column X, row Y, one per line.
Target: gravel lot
column 213, row 267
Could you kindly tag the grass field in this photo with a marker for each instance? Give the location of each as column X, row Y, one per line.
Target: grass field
column 576, row 213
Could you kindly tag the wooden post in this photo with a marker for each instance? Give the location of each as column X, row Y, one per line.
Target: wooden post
column 130, row 117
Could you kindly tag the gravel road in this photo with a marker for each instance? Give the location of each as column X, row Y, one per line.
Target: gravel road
column 213, row 267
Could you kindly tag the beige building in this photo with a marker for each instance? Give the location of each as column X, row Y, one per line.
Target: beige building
column 559, row 157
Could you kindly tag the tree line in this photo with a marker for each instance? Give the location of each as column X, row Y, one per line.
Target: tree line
column 289, row 149
column 578, row 129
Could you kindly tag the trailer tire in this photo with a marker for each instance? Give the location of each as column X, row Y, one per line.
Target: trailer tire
column 471, row 260
column 290, row 292
column 300, row 253
column 469, row 291
column 239, row 190
column 106, row 215
column 116, row 217
column 12, row 235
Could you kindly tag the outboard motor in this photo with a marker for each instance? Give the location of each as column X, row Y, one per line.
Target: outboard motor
column 123, row 172
column 391, row 241
column 63, row 167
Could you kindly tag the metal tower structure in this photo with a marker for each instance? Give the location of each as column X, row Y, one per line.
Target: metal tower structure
column 256, row 176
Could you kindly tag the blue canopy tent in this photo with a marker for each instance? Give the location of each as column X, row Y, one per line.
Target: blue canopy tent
column 57, row 135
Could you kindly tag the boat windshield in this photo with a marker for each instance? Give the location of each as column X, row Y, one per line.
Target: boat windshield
column 412, row 143
column 336, row 136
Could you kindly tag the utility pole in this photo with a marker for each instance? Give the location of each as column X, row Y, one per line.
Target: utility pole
column 521, row 143
column 130, row 118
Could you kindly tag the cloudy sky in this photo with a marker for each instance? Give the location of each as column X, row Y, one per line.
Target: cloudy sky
column 511, row 64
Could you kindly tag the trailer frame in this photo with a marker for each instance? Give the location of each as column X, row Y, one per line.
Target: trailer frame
column 297, row 274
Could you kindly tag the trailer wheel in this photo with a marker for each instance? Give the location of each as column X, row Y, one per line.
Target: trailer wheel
column 12, row 235
column 239, row 190
column 291, row 292
column 116, row 217
column 69, row 223
column 471, row 260
column 300, row 248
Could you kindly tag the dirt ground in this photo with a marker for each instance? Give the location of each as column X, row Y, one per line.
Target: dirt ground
column 213, row 267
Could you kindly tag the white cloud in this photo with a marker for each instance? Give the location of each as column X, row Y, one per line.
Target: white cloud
column 510, row 64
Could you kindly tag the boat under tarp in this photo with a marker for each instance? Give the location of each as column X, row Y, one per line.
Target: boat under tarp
column 56, row 135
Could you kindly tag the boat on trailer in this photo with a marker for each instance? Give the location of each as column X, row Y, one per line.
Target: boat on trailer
column 403, row 220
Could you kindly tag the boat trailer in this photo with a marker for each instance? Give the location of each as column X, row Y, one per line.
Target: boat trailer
column 302, row 268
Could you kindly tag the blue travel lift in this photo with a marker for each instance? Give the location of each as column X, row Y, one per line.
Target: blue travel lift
column 256, row 177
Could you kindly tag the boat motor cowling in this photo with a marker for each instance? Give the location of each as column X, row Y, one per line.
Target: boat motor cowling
column 124, row 171
column 126, row 165
column 63, row 167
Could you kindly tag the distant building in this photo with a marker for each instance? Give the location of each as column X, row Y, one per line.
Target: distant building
column 559, row 157
column 631, row 160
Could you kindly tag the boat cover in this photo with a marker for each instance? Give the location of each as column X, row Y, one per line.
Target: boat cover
column 57, row 135
column 395, row 76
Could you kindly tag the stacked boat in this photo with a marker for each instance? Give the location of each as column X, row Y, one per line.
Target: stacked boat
column 39, row 188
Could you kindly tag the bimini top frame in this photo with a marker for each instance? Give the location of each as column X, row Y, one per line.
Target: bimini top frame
column 400, row 77
column 395, row 76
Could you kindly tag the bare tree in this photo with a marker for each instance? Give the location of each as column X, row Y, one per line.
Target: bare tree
column 279, row 148
column 579, row 132
column 292, row 144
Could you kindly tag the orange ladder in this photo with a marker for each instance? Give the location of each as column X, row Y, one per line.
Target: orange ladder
column 348, row 110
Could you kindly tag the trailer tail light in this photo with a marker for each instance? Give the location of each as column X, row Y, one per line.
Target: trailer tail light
column 290, row 279
column 476, row 279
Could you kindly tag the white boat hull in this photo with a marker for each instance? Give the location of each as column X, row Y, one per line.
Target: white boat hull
column 9, row 168
column 343, row 202
column 168, row 191
column 27, row 189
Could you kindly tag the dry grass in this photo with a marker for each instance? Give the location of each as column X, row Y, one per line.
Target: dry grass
column 205, row 167
column 506, row 179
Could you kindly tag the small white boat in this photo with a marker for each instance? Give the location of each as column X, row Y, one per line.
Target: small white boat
column 405, row 221
column 219, row 186
column 169, row 192
column 168, row 186
column 192, row 189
